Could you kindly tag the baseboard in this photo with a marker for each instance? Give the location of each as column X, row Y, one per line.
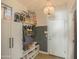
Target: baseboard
column 43, row 52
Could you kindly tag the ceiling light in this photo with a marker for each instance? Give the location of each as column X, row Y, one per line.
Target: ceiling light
column 49, row 9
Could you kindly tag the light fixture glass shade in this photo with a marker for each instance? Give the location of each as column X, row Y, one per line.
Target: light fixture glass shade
column 49, row 9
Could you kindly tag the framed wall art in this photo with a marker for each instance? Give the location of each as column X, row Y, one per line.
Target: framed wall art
column 7, row 11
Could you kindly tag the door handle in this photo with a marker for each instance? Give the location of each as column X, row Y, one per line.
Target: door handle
column 9, row 42
column 12, row 42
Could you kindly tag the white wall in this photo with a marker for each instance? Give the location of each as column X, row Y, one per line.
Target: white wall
column 41, row 18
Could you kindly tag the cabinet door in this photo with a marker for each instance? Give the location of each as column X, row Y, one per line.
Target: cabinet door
column 5, row 37
column 16, row 40
column 5, row 40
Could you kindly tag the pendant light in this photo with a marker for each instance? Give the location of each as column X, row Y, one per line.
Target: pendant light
column 49, row 9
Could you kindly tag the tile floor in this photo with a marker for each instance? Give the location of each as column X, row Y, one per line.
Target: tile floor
column 46, row 56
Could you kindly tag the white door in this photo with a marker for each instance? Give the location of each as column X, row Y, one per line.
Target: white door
column 5, row 37
column 16, row 40
column 58, row 34
column 57, row 38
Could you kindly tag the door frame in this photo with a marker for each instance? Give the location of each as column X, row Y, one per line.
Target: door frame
column 73, row 53
column 75, row 34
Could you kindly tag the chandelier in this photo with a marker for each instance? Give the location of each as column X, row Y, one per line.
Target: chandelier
column 49, row 9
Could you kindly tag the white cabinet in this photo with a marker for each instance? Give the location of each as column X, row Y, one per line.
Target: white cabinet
column 11, row 40
column 11, row 36
column 5, row 37
column 5, row 40
column 16, row 40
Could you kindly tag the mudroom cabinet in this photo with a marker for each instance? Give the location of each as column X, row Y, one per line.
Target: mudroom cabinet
column 11, row 37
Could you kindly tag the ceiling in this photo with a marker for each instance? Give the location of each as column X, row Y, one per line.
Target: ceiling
column 38, row 5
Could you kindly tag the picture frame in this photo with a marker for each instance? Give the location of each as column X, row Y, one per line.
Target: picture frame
column 7, row 12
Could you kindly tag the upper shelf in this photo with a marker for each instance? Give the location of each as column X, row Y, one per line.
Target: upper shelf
column 26, row 17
